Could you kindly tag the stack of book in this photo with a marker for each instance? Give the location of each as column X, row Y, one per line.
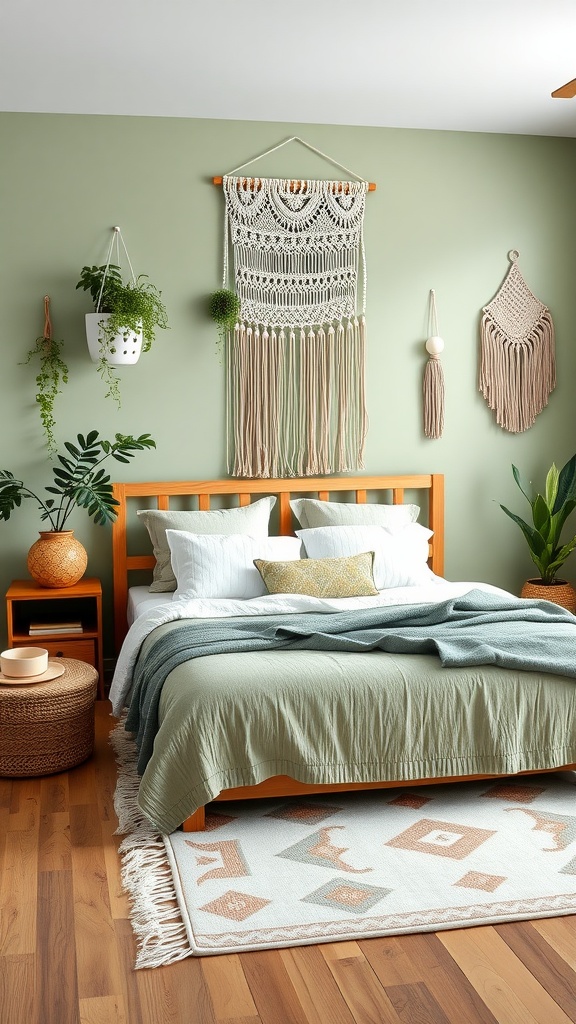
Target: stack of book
column 45, row 628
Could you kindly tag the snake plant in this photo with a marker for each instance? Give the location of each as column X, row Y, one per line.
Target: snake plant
column 549, row 514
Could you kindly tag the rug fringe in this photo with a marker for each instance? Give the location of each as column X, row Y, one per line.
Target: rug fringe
column 145, row 872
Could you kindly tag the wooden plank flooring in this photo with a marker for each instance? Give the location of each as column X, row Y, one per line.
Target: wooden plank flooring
column 67, row 949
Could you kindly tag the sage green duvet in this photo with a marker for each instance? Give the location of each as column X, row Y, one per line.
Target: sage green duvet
column 237, row 719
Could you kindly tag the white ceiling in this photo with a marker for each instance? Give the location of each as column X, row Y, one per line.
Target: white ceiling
column 459, row 65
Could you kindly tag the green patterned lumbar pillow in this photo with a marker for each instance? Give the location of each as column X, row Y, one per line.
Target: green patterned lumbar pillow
column 320, row 577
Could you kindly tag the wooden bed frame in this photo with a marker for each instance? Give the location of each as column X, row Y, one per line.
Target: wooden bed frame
column 242, row 492
column 428, row 493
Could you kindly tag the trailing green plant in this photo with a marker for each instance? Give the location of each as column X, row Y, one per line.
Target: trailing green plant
column 224, row 308
column 78, row 480
column 110, row 379
column 549, row 514
column 135, row 307
column 53, row 372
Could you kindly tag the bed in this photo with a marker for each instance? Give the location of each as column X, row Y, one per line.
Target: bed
column 274, row 675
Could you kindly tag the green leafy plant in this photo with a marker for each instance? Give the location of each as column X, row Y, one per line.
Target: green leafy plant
column 224, row 308
column 110, row 379
column 78, row 480
column 549, row 514
column 53, row 372
column 134, row 307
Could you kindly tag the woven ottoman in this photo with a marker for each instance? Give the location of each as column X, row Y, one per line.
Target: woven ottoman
column 48, row 727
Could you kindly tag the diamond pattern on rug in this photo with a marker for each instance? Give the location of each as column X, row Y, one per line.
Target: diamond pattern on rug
column 441, row 838
column 561, row 827
column 318, row 849
column 228, row 858
column 477, row 880
column 236, row 906
column 214, row 820
column 569, row 868
column 513, row 791
column 340, row 894
column 410, row 800
column 306, row 813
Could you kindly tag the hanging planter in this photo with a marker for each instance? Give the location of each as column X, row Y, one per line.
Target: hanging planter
column 125, row 318
column 122, row 348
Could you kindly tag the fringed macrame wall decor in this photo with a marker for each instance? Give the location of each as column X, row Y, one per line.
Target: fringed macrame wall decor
column 295, row 359
column 433, row 376
column 517, row 368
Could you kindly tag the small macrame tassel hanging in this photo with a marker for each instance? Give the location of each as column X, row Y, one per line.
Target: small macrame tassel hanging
column 433, row 377
column 517, row 366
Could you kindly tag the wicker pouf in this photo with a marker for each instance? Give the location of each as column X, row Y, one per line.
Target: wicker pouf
column 48, row 727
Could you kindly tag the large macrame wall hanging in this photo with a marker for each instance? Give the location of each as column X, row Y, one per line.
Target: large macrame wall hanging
column 296, row 356
column 517, row 366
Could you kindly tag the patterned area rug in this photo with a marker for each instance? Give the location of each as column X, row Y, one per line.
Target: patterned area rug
column 279, row 873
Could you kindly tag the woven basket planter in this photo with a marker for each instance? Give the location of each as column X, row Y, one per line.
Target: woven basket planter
column 560, row 592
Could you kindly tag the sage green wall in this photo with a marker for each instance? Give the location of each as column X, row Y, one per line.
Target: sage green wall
column 447, row 210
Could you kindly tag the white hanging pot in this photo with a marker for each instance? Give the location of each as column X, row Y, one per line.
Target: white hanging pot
column 124, row 349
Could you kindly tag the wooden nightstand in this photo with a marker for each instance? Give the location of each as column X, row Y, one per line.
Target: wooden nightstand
column 28, row 603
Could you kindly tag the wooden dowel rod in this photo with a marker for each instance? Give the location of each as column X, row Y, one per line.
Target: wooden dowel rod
column 566, row 92
column 293, row 184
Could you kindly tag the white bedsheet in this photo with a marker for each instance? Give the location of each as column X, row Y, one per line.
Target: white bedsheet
column 141, row 601
column 159, row 612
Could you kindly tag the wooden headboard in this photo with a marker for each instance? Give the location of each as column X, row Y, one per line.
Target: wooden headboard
column 243, row 491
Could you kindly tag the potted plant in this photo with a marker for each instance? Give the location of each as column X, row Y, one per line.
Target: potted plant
column 125, row 320
column 58, row 559
column 549, row 514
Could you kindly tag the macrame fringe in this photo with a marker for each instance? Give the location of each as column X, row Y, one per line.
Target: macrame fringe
column 146, row 874
column 517, row 365
column 296, row 403
column 433, row 398
column 517, row 375
column 295, row 390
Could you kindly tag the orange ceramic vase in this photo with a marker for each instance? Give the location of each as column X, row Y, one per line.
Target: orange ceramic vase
column 57, row 559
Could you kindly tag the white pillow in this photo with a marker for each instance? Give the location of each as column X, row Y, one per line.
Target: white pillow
column 400, row 558
column 251, row 519
column 218, row 565
column 312, row 512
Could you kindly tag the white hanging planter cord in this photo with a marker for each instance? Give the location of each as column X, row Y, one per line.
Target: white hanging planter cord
column 127, row 347
column 115, row 240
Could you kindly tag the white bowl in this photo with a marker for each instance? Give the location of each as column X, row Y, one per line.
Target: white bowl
column 24, row 661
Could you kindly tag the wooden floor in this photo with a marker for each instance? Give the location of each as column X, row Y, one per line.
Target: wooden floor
column 66, row 946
